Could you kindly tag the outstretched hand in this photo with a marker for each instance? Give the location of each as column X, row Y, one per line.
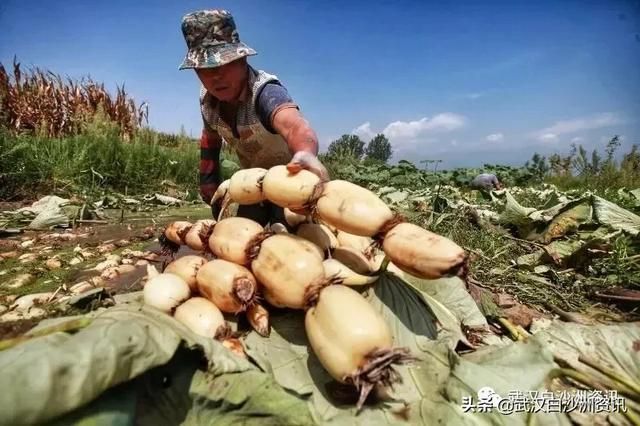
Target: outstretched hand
column 307, row 161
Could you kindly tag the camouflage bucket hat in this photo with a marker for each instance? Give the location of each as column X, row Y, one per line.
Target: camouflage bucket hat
column 212, row 39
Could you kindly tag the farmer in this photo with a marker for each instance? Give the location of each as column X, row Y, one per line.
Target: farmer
column 248, row 108
column 486, row 182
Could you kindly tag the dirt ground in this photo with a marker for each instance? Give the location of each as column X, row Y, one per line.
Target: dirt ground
column 42, row 271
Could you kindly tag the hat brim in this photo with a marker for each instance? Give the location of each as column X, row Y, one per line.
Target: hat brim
column 216, row 56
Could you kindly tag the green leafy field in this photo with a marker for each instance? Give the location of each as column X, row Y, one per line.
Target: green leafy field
column 552, row 288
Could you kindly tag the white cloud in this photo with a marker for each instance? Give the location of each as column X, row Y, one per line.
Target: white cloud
column 495, row 137
column 364, row 131
column 404, row 134
column 577, row 139
column 548, row 137
column 469, row 95
column 410, row 130
column 596, row 121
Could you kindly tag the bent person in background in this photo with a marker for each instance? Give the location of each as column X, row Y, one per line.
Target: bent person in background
column 248, row 108
column 486, row 182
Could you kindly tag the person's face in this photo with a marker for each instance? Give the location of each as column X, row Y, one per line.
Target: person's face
column 225, row 82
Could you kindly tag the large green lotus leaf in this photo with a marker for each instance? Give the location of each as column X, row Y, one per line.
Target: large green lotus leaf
column 283, row 354
column 567, row 221
column 610, row 214
column 615, row 346
column 452, row 294
column 55, row 374
column 160, row 396
column 612, row 346
column 548, row 214
column 54, row 216
column 502, row 370
column 554, row 199
column 632, row 196
column 248, row 398
column 428, row 333
column 553, row 222
column 561, row 251
column 181, row 392
column 519, row 216
column 114, row 407
column 161, row 384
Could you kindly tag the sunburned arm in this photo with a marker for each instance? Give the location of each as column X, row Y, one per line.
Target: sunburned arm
column 302, row 141
column 295, row 130
column 210, row 145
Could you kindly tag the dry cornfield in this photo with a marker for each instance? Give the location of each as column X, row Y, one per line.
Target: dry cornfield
column 40, row 101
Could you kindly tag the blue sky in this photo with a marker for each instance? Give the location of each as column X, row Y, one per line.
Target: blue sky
column 466, row 82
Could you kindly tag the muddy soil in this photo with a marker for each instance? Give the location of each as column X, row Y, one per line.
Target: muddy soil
column 64, row 263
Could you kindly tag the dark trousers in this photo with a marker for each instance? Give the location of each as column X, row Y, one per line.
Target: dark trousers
column 265, row 213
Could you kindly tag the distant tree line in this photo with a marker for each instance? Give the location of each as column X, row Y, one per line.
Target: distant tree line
column 578, row 168
column 592, row 167
column 352, row 147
